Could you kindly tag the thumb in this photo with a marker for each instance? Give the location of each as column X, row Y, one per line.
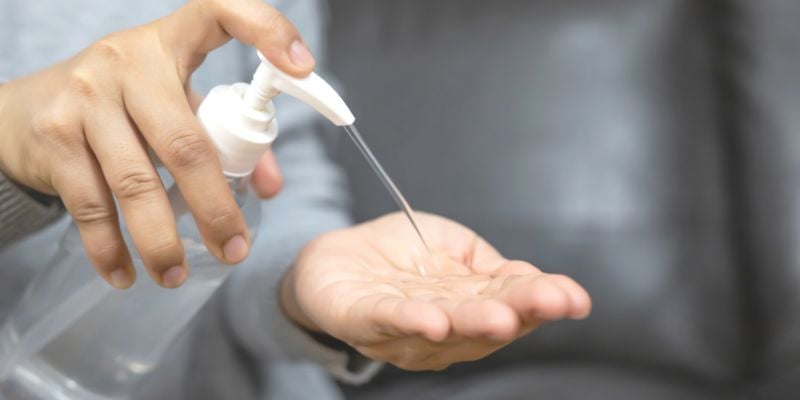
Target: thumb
column 201, row 26
column 267, row 178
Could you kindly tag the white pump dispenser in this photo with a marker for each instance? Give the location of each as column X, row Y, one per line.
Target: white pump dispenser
column 240, row 117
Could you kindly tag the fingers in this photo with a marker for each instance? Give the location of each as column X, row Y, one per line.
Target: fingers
column 267, row 177
column 581, row 302
column 485, row 259
column 474, row 329
column 204, row 25
column 538, row 295
column 510, row 268
column 541, row 298
column 258, row 24
column 83, row 190
column 545, row 297
column 136, row 185
column 398, row 317
column 194, row 98
column 482, row 319
column 160, row 110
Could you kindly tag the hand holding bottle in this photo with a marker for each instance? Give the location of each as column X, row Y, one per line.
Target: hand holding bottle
column 361, row 286
column 80, row 130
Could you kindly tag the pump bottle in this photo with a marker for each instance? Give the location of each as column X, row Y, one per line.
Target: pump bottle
column 72, row 336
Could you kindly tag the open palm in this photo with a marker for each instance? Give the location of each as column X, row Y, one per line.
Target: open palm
column 363, row 285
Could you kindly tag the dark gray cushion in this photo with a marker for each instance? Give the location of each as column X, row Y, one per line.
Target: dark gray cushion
column 765, row 120
column 556, row 381
column 579, row 135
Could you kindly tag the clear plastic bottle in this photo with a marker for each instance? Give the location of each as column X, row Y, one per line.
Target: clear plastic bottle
column 72, row 336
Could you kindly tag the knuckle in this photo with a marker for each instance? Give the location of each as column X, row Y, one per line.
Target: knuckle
column 276, row 20
column 187, row 147
column 92, row 212
column 218, row 6
column 83, row 83
column 162, row 254
column 56, row 135
column 53, row 124
column 107, row 50
column 221, row 217
column 107, row 254
column 135, row 184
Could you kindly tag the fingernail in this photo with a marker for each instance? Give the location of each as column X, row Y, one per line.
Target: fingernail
column 235, row 249
column 173, row 277
column 300, row 56
column 121, row 278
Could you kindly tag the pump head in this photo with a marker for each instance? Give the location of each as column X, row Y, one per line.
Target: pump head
column 269, row 81
column 240, row 118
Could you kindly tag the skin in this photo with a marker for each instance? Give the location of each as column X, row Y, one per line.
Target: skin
column 362, row 286
column 80, row 130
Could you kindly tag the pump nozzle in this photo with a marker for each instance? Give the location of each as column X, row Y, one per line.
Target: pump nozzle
column 240, row 118
column 268, row 81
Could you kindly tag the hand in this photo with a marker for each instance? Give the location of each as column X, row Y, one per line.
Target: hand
column 361, row 286
column 80, row 130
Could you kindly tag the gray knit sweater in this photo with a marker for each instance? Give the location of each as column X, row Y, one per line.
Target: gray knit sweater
column 240, row 346
column 22, row 213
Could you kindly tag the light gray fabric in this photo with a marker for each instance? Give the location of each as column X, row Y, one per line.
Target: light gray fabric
column 559, row 380
column 240, row 346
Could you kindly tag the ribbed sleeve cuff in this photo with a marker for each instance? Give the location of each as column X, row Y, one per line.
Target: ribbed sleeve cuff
column 21, row 214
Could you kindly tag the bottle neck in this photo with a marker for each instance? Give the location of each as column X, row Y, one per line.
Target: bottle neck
column 239, row 186
column 260, row 91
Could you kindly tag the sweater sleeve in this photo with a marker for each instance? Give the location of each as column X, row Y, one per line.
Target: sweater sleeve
column 313, row 201
column 21, row 213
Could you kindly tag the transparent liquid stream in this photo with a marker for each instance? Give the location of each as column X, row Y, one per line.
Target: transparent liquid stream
column 392, row 189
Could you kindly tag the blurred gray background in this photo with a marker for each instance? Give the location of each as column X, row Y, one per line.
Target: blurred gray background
column 646, row 148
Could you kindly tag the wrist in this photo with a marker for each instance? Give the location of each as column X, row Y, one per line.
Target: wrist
column 20, row 161
column 10, row 153
column 291, row 307
column 4, row 128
